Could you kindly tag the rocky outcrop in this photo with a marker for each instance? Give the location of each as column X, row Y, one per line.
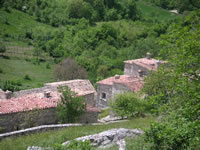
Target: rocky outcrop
column 114, row 136
column 103, row 139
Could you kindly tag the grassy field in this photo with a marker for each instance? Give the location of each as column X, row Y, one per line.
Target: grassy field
column 15, row 23
column 50, row 138
column 19, row 60
column 16, row 69
column 149, row 11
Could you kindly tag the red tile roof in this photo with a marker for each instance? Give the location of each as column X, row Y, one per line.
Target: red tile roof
column 134, row 83
column 33, row 101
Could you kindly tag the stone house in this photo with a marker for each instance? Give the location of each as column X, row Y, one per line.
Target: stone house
column 131, row 81
column 35, row 107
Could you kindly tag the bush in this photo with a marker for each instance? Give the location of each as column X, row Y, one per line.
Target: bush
column 1, row 71
column 11, row 85
column 2, row 47
column 70, row 107
column 26, row 77
column 48, row 66
column 128, row 104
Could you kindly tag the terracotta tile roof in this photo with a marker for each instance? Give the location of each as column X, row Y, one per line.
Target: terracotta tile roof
column 33, row 101
column 149, row 64
column 134, row 83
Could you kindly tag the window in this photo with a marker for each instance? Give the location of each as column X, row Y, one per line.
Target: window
column 103, row 95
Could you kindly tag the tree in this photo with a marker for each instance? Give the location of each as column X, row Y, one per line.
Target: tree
column 128, row 104
column 178, row 90
column 69, row 70
column 71, row 106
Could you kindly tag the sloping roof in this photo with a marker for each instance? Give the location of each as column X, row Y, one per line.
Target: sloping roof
column 149, row 64
column 134, row 83
column 81, row 87
column 33, row 101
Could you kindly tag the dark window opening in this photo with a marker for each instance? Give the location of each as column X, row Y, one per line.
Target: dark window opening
column 103, row 95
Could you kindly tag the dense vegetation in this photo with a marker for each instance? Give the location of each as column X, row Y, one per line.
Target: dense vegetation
column 64, row 12
column 99, row 47
column 174, row 90
column 180, row 5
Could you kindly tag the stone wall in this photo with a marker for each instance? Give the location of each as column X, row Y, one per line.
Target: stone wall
column 132, row 70
column 107, row 90
column 119, row 88
column 90, row 99
column 22, row 120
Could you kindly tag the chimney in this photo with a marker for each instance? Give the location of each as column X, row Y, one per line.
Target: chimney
column 8, row 94
column 117, row 76
column 140, row 73
column 47, row 94
column 157, row 63
column 148, row 55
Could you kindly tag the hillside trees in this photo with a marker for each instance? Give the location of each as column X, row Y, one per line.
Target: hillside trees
column 59, row 13
column 176, row 93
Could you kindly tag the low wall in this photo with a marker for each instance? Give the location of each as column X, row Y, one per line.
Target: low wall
column 37, row 129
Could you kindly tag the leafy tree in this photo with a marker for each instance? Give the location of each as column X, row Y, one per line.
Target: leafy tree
column 71, row 106
column 128, row 104
column 178, row 89
column 68, row 69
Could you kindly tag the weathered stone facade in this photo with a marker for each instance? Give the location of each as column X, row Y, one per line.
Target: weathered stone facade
column 22, row 120
column 132, row 70
column 108, row 88
column 104, row 93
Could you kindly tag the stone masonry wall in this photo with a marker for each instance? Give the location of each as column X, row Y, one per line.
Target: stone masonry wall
column 119, row 88
column 22, row 120
column 107, row 89
column 90, row 99
column 132, row 70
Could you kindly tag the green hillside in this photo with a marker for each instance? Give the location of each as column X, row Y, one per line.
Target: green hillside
column 32, row 45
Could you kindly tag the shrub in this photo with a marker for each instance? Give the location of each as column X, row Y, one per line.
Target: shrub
column 71, row 106
column 26, row 77
column 128, row 104
column 48, row 66
column 2, row 47
column 1, row 71
column 11, row 85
